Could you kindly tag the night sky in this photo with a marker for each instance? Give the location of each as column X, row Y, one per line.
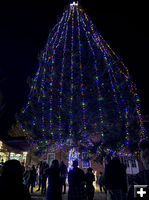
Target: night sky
column 24, row 28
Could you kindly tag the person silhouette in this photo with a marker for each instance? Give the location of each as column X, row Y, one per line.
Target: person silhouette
column 40, row 175
column 26, row 176
column 11, row 182
column 113, row 178
column 54, row 182
column 44, row 178
column 63, row 172
column 101, row 181
column 90, row 178
column 76, row 180
column 32, row 178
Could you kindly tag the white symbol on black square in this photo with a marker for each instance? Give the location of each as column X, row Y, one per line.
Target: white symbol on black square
column 141, row 192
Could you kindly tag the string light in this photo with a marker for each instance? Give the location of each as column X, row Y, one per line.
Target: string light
column 62, row 73
column 123, row 70
column 71, row 43
column 73, row 155
column 97, row 81
column 72, row 76
column 81, row 74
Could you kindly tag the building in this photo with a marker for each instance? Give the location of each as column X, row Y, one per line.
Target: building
column 133, row 164
column 8, row 152
column 4, row 154
column 68, row 154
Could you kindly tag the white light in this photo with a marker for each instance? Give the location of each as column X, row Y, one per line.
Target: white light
column 1, row 144
column 74, row 4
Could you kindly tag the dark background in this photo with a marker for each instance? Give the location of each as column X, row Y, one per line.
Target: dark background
column 24, row 28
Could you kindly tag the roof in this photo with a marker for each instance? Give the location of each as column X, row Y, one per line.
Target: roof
column 18, row 145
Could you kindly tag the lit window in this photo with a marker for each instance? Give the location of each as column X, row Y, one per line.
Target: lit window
column 51, row 157
column 125, row 161
column 86, row 163
column 133, row 162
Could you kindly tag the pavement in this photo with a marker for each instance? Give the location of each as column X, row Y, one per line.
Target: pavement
column 98, row 196
column 37, row 195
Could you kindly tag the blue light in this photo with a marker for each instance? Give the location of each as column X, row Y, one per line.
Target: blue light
column 127, row 143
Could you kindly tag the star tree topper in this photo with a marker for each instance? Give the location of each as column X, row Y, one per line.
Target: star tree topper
column 74, row 4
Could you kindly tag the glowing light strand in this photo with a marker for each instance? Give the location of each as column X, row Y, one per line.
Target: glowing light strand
column 72, row 81
column 87, row 32
column 43, row 101
column 109, row 53
column 125, row 72
column 111, row 77
column 33, row 87
column 52, row 77
column 73, row 155
column 98, row 38
column 53, row 38
column 99, row 44
column 132, row 89
column 62, row 73
column 81, row 74
column 103, row 49
column 45, row 56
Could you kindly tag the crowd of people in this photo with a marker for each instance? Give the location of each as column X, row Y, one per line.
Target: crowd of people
column 114, row 181
column 17, row 182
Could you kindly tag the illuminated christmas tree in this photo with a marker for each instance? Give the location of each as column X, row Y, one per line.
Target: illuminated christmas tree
column 82, row 93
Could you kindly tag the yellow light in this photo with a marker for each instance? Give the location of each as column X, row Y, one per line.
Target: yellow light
column 1, row 144
column 24, row 153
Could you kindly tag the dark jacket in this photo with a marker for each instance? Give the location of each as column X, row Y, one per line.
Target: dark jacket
column 77, row 190
column 115, row 175
column 13, row 190
column 89, row 178
column 63, row 171
column 32, row 177
column 54, row 184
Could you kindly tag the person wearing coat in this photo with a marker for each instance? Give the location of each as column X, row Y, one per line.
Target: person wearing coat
column 32, row 178
column 26, row 176
column 76, row 180
column 63, row 171
column 115, row 178
column 90, row 178
column 11, row 182
column 54, row 182
column 101, row 181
